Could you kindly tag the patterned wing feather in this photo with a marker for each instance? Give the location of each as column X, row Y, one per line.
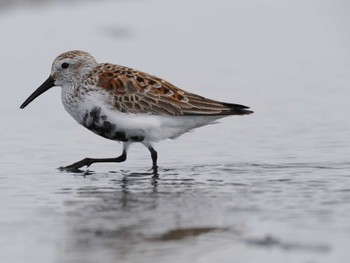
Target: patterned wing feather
column 139, row 92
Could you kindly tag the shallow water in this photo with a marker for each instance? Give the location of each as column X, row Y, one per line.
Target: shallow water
column 233, row 211
column 270, row 187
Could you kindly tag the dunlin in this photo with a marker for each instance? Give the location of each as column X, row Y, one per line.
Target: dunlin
column 127, row 105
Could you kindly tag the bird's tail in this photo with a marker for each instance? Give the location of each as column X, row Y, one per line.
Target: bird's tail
column 236, row 109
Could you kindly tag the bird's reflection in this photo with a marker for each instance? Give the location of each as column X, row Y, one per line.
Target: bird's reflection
column 110, row 209
column 132, row 179
column 118, row 211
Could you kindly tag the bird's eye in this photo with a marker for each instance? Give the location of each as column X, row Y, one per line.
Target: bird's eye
column 64, row 65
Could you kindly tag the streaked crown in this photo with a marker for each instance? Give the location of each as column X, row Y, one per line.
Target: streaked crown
column 71, row 67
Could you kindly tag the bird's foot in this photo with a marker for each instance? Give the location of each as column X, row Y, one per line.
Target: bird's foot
column 154, row 170
column 74, row 168
column 70, row 168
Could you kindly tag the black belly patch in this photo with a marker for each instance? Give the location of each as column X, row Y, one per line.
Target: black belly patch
column 99, row 124
column 137, row 138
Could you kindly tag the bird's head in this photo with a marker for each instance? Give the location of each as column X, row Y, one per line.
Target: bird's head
column 67, row 69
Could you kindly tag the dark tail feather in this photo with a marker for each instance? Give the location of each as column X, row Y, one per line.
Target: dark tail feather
column 236, row 109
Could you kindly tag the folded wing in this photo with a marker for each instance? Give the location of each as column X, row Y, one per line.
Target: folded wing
column 139, row 92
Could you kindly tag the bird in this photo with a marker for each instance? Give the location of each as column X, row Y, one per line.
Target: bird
column 126, row 105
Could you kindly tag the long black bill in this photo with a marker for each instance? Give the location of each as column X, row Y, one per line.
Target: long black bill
column 48, row 84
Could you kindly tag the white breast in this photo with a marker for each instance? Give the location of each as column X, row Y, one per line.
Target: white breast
column 94, row 110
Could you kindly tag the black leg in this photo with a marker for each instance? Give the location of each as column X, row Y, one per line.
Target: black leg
column 154, row 156
column 88, row 161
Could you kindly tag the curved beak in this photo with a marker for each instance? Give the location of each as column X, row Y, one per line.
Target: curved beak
column 48, row 84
